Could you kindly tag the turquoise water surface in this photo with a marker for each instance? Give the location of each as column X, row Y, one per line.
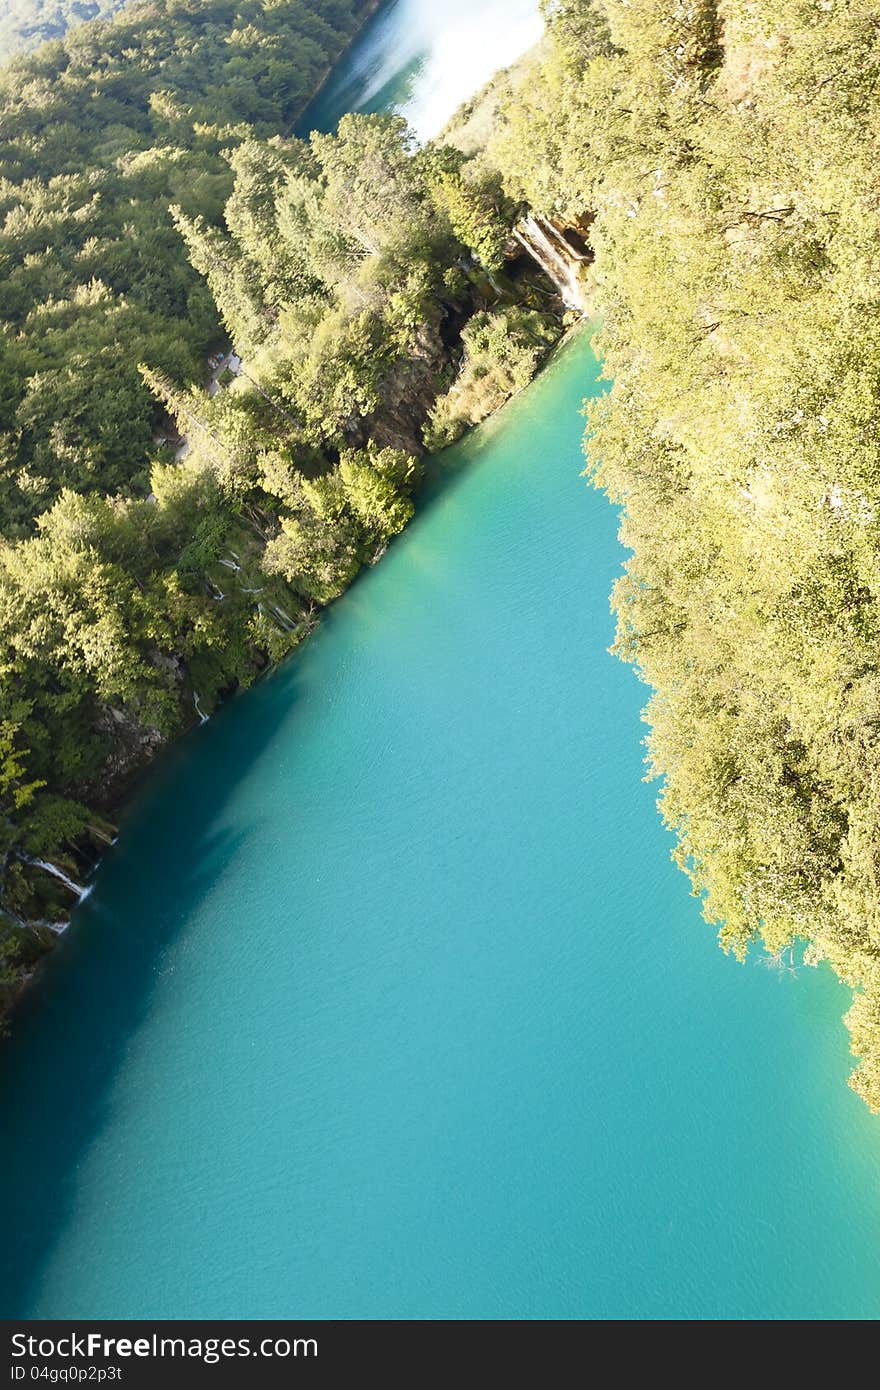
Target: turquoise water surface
column 389, row 1002
column 423, row 59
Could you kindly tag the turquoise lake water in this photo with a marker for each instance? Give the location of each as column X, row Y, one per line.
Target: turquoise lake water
column 424, row 59
column 389, row 1002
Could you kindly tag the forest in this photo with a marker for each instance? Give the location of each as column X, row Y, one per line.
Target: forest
column 172, row 519
column 24, row 24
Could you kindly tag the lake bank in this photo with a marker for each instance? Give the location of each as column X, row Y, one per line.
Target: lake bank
column 388, row 1002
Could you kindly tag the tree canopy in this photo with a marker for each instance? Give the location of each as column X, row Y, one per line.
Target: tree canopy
column 24, row 24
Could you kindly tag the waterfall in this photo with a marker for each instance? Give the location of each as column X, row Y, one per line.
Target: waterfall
column 56, row 927
column 278, row 613
column 286, row 621
column 558, row 259
column 230, row 565
column 203, row 717
column 54, row 870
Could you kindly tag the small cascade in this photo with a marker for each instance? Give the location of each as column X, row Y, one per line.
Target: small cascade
column 230, row 565
column 42, row 924
column 557, row 257
column 54, row 870
column 199, row 711
column 286, row 621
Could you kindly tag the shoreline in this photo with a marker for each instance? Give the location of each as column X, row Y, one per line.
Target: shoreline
column 81, row 859
column 21, row 990
column 370, row 9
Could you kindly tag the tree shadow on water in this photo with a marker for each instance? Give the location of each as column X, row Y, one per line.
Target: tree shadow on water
column 69, row 1036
